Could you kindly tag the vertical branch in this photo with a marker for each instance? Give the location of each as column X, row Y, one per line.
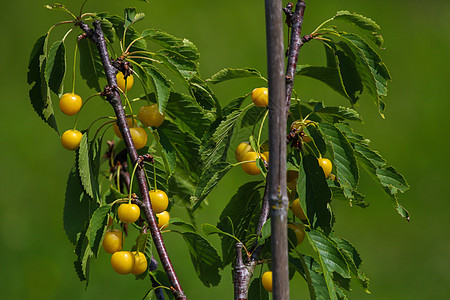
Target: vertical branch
column 112, row 95
column 278, row 199
column 294, row 49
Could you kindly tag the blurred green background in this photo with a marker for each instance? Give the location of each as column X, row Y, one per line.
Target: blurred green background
column 403, row 260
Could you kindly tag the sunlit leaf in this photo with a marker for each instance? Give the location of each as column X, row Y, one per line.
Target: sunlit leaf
column 228, row 74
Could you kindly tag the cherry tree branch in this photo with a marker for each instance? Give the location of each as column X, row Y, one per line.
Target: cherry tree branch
column 112, row 95
column 276, row 183
column 295, row 44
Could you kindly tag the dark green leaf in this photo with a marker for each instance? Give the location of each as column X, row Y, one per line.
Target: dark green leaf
column 84, row 255
column 234, row 105
column 182, row 224
column 185, row 145
column 108, row 30
column 97, row 227
column 228, row 74
column 204, row 95
column 241, row 210
column 77, row 207
column 313, row 187
column 256, row 291
column 209, row 229
column 39, row 96
column 91, row 68
column 252, row 116
column 168, row 153
column 369, row 27
column 55, row 70
column 209, row 179
column 129, row 15
column 339, row 112
column 204, row 257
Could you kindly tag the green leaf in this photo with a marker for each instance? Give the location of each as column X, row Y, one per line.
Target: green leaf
column 187, row 114
column 182, row 224
column 97, row 227
column 330, row 258
column 353, row 261
column 216, row 147
column 340, row 73
column 186, row 69
column 369, row 27
column 243, row 211
column 233, row 105
column 84, row 255
column 129, row 15
column 85, row 167
column 209, row 179
column 162, row 86
column 131, row 34
column 256, row 291
column 314, row 193
column 169, row 42
column 344, row 157
column 204, row 257
column 229, row 74
column 209, row 229
column 168, row 153
column 266, row 231
column 77, row 207
column 91, row 68
column 204, row 95
column 162, row 178
column 185, row 145
column 108, row 30
column 40, row 99
column 391, row 181
column 252, row 116
column 337, row 112
column 55, row 70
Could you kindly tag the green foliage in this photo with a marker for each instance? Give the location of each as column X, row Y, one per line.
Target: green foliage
column 190, row 149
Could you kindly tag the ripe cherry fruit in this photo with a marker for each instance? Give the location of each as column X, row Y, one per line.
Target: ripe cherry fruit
column 112, row 241
column 260, row 97
column 123, row 262
column 150, row 115
column 139, row 137
column 297, row 210
column 267, row 282
column 326, row 165
column 131, row 123
column 70, row 104
column 299, row 232
column 163, row 219
column 140, row 263
column 159, row 201
column 242, row 149
column 121, row 82
column 128, row 212
column 250, row 167
column 71, row 139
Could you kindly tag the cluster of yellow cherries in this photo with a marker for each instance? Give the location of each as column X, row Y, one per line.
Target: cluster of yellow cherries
column 134, row 262
column 70, row 104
